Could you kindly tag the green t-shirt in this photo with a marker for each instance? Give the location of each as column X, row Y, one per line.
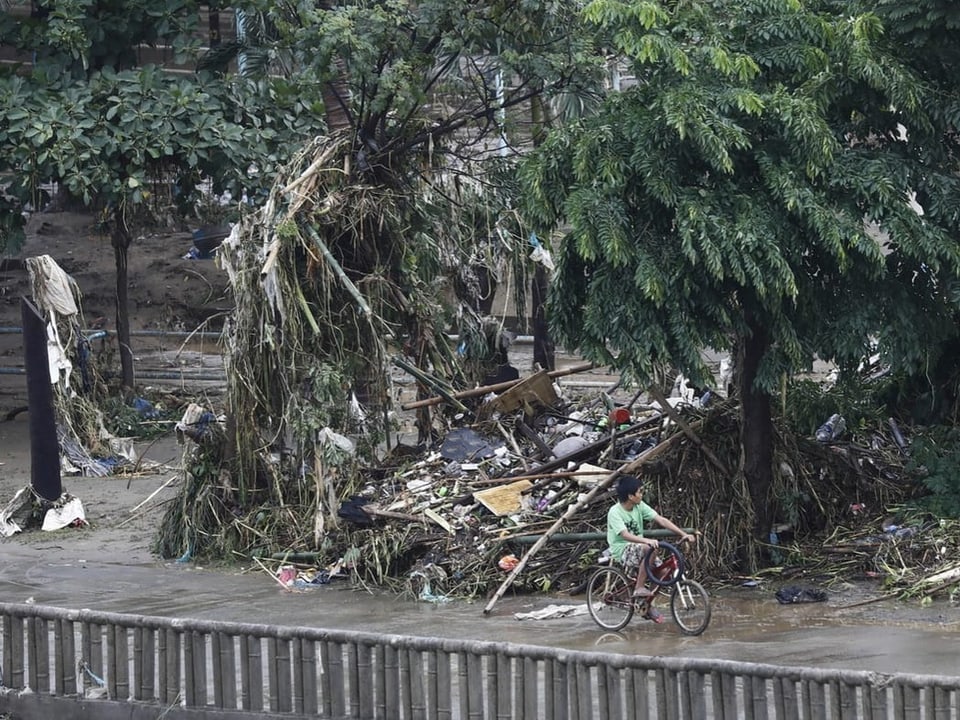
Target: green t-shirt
column 619, row 519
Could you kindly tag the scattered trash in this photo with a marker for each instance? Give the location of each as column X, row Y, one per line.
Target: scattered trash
column 145, row 409
column 463, row 444
column 197, row 423
column 16, row 515
column 552, row 612
column 508, row 562
column 504, row 499
column 206, row 240
column 66, row 512
column 795, row 594
column 832, row 429
column 26, row 508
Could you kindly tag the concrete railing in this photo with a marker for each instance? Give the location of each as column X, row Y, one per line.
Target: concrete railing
column 85, row 664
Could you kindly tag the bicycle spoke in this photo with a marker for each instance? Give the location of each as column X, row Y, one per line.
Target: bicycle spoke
column 610, row 598
column 690, row 607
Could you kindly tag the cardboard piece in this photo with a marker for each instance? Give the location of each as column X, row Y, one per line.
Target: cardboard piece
column 503, row 499
column 530, row 393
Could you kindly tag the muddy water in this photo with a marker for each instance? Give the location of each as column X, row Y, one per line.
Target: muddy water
column 748, row 625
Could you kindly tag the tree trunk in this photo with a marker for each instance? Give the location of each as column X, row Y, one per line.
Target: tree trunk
column 756, row 442
column 543, row 348
column 121, row 243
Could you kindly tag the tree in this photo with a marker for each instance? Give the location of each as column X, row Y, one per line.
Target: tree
column 372, row 228
column 721, row 202
column 115, row 136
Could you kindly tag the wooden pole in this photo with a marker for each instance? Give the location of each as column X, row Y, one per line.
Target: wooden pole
column 687, row 430
column 484, row 389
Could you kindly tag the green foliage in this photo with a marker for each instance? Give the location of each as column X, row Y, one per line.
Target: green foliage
column 808, row 405
column 724, row 189
column 112, row 134
column 935, row 458
column 124, row 420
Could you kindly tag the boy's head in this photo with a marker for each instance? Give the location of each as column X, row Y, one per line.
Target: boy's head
column 627, row 486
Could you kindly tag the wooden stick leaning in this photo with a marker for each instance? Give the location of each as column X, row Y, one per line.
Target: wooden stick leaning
column 687, row 430
column 484, row 389
column 572, row 510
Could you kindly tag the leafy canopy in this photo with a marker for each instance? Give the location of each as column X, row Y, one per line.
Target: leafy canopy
column 109, row 132
column 757, row 176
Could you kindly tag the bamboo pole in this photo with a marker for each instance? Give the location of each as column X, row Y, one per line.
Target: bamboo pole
column 572, row 510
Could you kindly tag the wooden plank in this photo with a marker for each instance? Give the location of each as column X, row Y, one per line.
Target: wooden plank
column 273, row 674
column 759, row 697
column 40, row 664
column 283, row 661
column 432, row 693
column 530, row 690
column 696, row 694
column 366, row 680
column 122, row 664
column 583, row 692
column 530, row 393
column 111, row 677
column 474, row 671
column 379, row 682
column 503, row 677
column 353, row 679
column 217, row 670
column 561, row 691
column 66, row 659
column 391, row 670
column 172, row 670
column 406, row 698
column 327, row 689
column 143, row 663
column 228, row 671
column 17, row 667
column 308, row 655
column 444, row 686
column 252, row 673
column 611, row 698
column 198, row 671
column 418, row 695
column 337, row 682
column 939, row 699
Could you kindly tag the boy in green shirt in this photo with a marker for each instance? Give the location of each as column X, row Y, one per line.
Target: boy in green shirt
column 628, row 546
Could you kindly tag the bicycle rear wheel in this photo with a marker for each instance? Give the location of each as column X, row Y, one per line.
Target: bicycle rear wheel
column 690, row 606
column 610, row 598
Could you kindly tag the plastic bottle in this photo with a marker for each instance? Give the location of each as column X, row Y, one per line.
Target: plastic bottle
column 833, row 428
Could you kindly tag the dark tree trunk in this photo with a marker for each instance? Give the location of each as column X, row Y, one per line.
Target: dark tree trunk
column 121, row 244
column 543, row 349
column 756, row 441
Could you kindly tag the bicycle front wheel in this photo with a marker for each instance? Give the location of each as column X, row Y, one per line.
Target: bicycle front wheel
column 690, row 606
column 610, row 598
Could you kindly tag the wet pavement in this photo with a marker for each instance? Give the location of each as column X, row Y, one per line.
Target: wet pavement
column 748, row 624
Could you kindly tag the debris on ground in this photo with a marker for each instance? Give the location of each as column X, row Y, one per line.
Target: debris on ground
column 450, row 519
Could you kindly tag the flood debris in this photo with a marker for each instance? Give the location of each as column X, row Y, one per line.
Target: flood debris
column 515, row 500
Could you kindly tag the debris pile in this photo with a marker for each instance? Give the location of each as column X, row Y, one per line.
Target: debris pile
column 453, row 519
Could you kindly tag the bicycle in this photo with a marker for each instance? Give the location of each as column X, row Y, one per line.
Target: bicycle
column 611, row 602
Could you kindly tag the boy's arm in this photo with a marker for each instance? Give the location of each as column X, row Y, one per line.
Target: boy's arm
column 669, row 525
